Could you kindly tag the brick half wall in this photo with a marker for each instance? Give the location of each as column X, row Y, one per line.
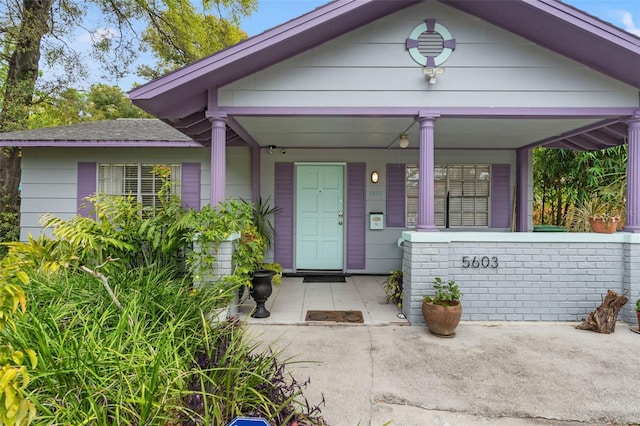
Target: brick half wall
column 523, row 276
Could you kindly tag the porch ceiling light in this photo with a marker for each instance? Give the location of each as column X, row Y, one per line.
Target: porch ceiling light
column 403, row 141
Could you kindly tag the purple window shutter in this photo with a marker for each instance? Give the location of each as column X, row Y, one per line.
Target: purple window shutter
column 500, row 195
column 356, row 215
column 86, row 187
column 396, row 187
column 283, row 220
column 190, row 186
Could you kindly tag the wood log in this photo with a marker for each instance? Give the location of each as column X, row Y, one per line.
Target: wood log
column 603, row 319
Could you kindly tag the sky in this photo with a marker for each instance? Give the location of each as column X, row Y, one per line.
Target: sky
column 271, row 13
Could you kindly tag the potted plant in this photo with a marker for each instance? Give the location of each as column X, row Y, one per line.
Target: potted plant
column 638, row 312
column 393, row 288
column 249, row 256
column 443, row 310
column 600, row 216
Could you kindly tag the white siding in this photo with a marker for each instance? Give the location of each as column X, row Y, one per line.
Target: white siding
column 371, row 67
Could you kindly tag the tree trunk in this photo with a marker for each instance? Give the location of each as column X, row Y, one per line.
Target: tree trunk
column 19, row 88
column 603, row 319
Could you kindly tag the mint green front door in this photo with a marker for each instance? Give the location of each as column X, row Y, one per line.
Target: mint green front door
column 319, row 217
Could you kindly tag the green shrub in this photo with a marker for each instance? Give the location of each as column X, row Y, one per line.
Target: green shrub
column 175, row 364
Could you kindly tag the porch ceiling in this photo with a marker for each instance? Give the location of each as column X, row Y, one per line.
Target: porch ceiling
column 450, row 133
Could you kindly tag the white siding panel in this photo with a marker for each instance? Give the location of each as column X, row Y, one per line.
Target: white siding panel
column 434, row 97
column 371, row 67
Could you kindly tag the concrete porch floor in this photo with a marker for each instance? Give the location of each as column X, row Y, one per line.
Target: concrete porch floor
column 290, row 301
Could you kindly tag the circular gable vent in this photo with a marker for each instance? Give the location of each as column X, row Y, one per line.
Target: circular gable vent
column 430, row 44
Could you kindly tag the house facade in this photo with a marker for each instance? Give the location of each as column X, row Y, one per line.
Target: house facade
column 394, row 134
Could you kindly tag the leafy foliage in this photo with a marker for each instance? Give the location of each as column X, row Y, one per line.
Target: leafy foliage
column 149, row 350
column 15, row 407
column 94, row 368
column 184, row 34
column 393, row 286
column 445, row 292
column 565, row 179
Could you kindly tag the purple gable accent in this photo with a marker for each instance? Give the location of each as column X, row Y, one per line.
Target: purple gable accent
column 431, row 61
column 431, row 25
column 86, row 187
column 190, row 185
column 451, row 44
column 411, row 43
column 356, row 215
column 283, row 221
column 500, row 195
column 396, row 213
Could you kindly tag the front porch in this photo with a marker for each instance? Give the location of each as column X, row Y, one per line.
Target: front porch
column 290, row 301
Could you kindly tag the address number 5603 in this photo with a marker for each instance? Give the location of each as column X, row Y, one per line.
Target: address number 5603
column 479, row 262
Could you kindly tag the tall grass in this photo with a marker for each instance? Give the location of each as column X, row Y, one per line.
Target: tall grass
column 162, row 361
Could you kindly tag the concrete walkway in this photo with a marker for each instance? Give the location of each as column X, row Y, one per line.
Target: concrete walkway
column 489, row 374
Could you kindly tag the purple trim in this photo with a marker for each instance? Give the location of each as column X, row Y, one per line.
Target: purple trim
column 411, row 43
column 522, row 190
column 241, row 132
column 426, row 176
column 396, row 204
column 633, row 176
column 190, row 186
column 568, row 31
column 500, row 195
column 451, row 44
column 431, row 25
column 101, row 144
column 283, row 221
column 86, row 186
column 356, row 215
column 218, row 160
column 185, row 85
column 431, row 61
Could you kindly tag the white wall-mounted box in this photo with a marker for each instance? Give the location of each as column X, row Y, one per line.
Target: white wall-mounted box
column 376, row 220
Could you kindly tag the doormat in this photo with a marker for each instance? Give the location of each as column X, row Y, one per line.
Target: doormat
column 324, row 279
column 335, row 316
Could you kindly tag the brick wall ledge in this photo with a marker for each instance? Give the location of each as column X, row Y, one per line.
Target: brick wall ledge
column 524, row 237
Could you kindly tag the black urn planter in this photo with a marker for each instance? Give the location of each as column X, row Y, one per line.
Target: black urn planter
column 260, row 291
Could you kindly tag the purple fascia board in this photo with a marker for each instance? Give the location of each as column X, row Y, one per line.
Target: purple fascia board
column 100, row 144
column 564, row 30
column 601, row 125
column 162, row 96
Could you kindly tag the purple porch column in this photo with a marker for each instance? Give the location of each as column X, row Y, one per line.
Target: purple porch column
column 633, row 175
column 218, row 158
column 522, row 190
column 426, row 192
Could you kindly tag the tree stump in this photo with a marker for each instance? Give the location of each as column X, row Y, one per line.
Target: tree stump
column 603, row 320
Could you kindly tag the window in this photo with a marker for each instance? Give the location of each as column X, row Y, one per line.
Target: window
column 136, row 180
column 461, row 195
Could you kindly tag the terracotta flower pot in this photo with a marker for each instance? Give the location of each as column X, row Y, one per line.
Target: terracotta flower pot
column 442, row 320
column 638, row 314
column 603, row 226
